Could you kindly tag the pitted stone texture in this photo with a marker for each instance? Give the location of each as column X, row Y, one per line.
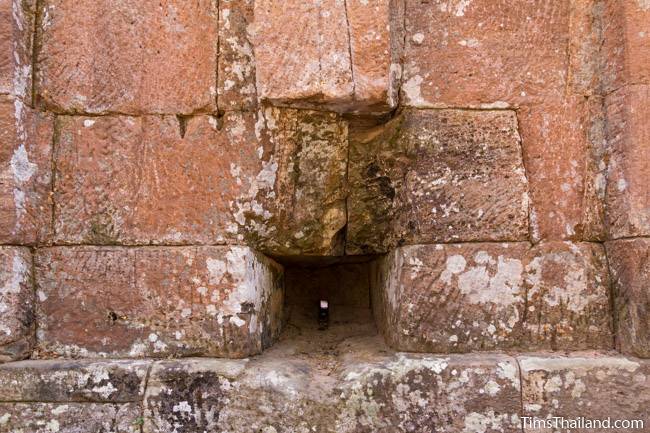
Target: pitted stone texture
column 564, row 155
column 69, row 418
column 340, row 55
column 139, row 180
column 124, row 57
column 415, row 393
column 486, row 296
column 431, row 394
column 114, row 381
column 25, row 173
column 16, row 303
column 629, row 264
column 16, row 39
column 236, row 74
column 484, row 53
column 436, row 176
column 300, row 206
column 589, row 385
column 628, row 182
column 626, row 43
column 157, row 301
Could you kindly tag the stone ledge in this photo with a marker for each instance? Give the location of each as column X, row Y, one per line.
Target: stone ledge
column 368, row 389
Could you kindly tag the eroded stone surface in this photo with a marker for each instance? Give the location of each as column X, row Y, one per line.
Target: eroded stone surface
column 564, row 155
column 158, row 301
column 112, row 381
column 466, row 297
column 628, row 182
column 106, row 56
column 16, row 38
column 484, row 53
column 589, row 385
column 236, row 74
column 436, row 176
column 334, row 54
column 69, row 418
column 25, row 173
column 629, row 264
column 16, row 303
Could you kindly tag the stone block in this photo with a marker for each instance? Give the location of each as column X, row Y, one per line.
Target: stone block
column 629, row 264
column 114, row 381
column 594, row 386
column 16, row 303
column 25, row 173
column 153, row 180
column 340, row 55
column 69, row 418
column 483, row 53
column 236, row 74
column 488, row 296
column 436, row 176
column 156, row 301
column 16, row 41
column 124, row 57
column 628, row 181
column 564, row 155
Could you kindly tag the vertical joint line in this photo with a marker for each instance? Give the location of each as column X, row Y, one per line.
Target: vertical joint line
column 347, row 23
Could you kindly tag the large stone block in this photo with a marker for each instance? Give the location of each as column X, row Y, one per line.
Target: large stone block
column 564, row 154
column 114, row 381
column 69, row 418
column 629, row 264
column 593, row 386
column 626, row 44
column 153, row 179
column 436, row 176
column 628, row 182
column 25, row 173
column 334, row 54
column 484, row 53
column 372, row 392
column 236, row 75
column 486, row 296
column 16, row 303
column 16, row 39
column 157, row 301
column 125, row 57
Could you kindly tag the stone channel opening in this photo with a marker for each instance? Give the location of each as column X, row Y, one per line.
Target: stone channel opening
column 344, row 283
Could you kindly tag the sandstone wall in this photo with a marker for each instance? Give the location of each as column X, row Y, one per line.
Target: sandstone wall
column 163, row 164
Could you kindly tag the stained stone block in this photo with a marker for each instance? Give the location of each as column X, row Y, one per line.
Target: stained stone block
column 16, row 42
column 486, row 296
column 436, row 176
column 156, row 302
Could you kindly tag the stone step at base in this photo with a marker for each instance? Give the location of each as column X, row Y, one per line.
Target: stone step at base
column 340, row 380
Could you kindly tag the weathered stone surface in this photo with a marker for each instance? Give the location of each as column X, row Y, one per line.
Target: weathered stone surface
column 436, row 176
column 626, row 43
column 112, row 381
column 340, row 55
column 564, row 155
column 415, row 393
column 628, row 182
column 25, row 173
column 157, row 301
column 485, row 296
column 236, row 75
column 301, row 209
column 124, row 57
column 629, row 264
column 69, row 418
column 173, row 188
column 16, row 303
column 16, row 38
column 484, row 53
column 589, row 385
